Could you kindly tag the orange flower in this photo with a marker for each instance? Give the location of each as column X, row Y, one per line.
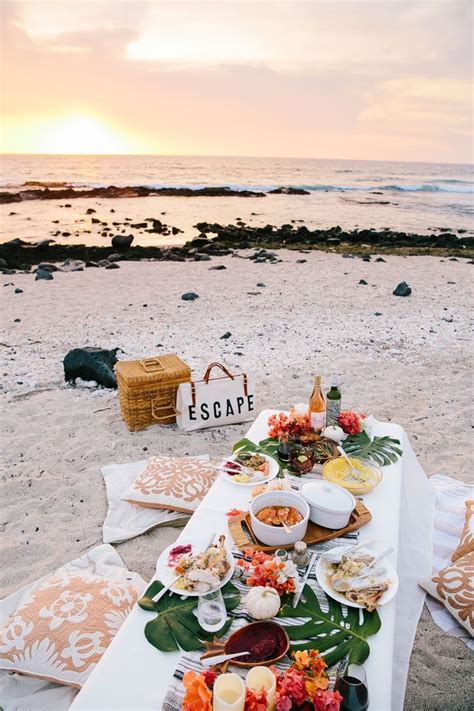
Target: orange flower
column 312, row 684
column 198, row 696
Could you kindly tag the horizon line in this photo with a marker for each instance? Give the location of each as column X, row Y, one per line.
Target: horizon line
column 212, row 155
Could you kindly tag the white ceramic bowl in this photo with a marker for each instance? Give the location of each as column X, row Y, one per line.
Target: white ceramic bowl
column 276, row 535
column 330, row 505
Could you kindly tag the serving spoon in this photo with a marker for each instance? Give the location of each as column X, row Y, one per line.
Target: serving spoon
column 353, row 472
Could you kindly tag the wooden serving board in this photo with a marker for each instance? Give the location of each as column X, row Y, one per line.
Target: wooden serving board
column 244, row 538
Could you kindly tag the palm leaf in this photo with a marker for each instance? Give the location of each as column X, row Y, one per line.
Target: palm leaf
column 176, row 627
column 333, row 634
column 382, row 450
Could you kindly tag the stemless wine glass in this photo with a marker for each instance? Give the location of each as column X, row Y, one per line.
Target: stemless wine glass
column 211, row 612
column 352, row 685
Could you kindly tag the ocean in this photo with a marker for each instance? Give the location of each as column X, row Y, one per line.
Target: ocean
column 411, row 197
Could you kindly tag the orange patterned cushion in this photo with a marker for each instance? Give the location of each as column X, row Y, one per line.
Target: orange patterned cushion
column 453, row 586
column 65, row 624
column 175, row 483
column 466, row 544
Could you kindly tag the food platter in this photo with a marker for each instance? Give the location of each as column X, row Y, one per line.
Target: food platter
column 273, row 469
column 241, row 531
column 323, row 579
column 167, row 574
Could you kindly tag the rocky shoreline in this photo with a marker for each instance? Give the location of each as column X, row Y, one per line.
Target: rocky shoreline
column 216, row 240
column 113, row 192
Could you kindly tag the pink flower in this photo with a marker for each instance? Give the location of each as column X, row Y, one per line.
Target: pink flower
column 327, row 700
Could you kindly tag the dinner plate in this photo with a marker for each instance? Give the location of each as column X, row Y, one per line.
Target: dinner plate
column 166, row 574
column 273, row 470
column 322, row 578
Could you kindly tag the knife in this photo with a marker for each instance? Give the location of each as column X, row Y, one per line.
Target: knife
column 297, row 595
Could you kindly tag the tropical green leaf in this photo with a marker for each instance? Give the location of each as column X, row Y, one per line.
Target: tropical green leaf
column 334, row 635
column 176, row 627
column 382, row 450
column 267, row 446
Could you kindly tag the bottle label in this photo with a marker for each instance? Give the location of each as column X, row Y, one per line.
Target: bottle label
column 318, row 420
column 333, row 411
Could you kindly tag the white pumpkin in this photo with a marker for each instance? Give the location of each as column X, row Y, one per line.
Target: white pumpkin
column 335, row 433
column 262, row 603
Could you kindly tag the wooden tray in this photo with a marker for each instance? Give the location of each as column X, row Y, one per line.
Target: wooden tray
column 245, row 539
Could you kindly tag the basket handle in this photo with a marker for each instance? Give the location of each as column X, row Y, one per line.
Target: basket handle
column 150, row 365
column 207, row 374
column 168, row 406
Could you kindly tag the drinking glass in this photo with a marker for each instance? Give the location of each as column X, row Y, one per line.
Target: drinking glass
column 211, row 612
column 352, row 685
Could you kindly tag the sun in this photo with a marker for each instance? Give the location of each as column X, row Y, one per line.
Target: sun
column 81, row 135
column 68, row 134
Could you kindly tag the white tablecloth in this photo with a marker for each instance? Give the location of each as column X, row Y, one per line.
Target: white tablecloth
column 134, row 676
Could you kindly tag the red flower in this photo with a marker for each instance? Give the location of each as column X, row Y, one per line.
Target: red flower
column 327, row 700
column 209, row 677
column 351, row 422
column 255, row 700
column 288, row 426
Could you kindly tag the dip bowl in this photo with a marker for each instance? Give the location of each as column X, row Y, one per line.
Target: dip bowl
column 267, row 642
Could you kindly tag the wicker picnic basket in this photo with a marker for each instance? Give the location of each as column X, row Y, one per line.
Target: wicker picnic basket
column 147, row 389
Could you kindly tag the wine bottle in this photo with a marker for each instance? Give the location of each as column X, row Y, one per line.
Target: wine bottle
column 317, row 406
column 333, row 398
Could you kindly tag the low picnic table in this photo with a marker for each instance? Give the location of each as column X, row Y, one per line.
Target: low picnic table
column 134, row 675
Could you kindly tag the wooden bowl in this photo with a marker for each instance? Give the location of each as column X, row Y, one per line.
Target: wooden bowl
column 283, row 640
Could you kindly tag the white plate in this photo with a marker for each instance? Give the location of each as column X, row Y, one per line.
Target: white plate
column 323, row 580
column 167, row 574
column 273, row 470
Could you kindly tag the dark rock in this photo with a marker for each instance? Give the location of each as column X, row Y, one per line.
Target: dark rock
column 46, row 242
column 366, row 258
column 380, row 259
column 95, row 221
column 190, row 296
column 226, row 335
column 8, row 271
column 18, row 291
column 47, row 267
column 3, row 264
column 378, row 313
column 17, row 320
column 92, row 264
column 217, row 268
column 114, row 257
column 175, row 230
column 91, row 364
column 301, row 261
column 260, row 284
column 103, row 263
column 202, row 257
column 453, row 259
column 139, row 225
column 289, row 191
column 402, row 289
column 14, row 243
column 40, row 274
column 113, row 265
column 67, row 205
column 90, row 211
column 72, row 265
column 362, row 281
column 198, row 242
column 66, row 234
column 122, row 241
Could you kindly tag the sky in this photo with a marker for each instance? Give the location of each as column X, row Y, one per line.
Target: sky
column 377, row 79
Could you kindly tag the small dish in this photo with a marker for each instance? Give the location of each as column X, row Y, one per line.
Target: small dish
column 166, row 574
column 259, row 478
column 269, row 639
column 322, row 568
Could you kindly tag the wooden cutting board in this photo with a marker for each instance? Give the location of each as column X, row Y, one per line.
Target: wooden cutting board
column 244, row 538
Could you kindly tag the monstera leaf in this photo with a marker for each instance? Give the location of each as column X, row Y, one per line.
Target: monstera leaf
column 382, row 450
column 176, row 627
column 332, row 634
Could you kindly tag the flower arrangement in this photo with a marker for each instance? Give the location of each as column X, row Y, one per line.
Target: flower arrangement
column 265, row 570
column 351, row 422
column 291, row 426
column 304, row 682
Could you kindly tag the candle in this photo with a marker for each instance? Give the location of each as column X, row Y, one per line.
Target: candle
column 229, row 693
column 259, row 678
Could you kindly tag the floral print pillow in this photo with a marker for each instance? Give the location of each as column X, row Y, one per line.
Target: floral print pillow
column 466, row 544
column 453, row 586
column 175, row 483
column 64, row 625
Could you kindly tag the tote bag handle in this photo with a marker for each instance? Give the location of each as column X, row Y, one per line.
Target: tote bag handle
column 207, row 376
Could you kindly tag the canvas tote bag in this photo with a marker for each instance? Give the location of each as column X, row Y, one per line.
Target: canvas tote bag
column 212, row 402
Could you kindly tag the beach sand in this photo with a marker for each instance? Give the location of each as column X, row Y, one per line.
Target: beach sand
column 409, row 364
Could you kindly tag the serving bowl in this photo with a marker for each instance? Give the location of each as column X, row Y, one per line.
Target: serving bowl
column 257, row 634
column 276, row 535
column 338, row 471
column 330, row 505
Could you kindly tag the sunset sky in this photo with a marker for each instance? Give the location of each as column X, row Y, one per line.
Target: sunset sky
column 384, row 79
